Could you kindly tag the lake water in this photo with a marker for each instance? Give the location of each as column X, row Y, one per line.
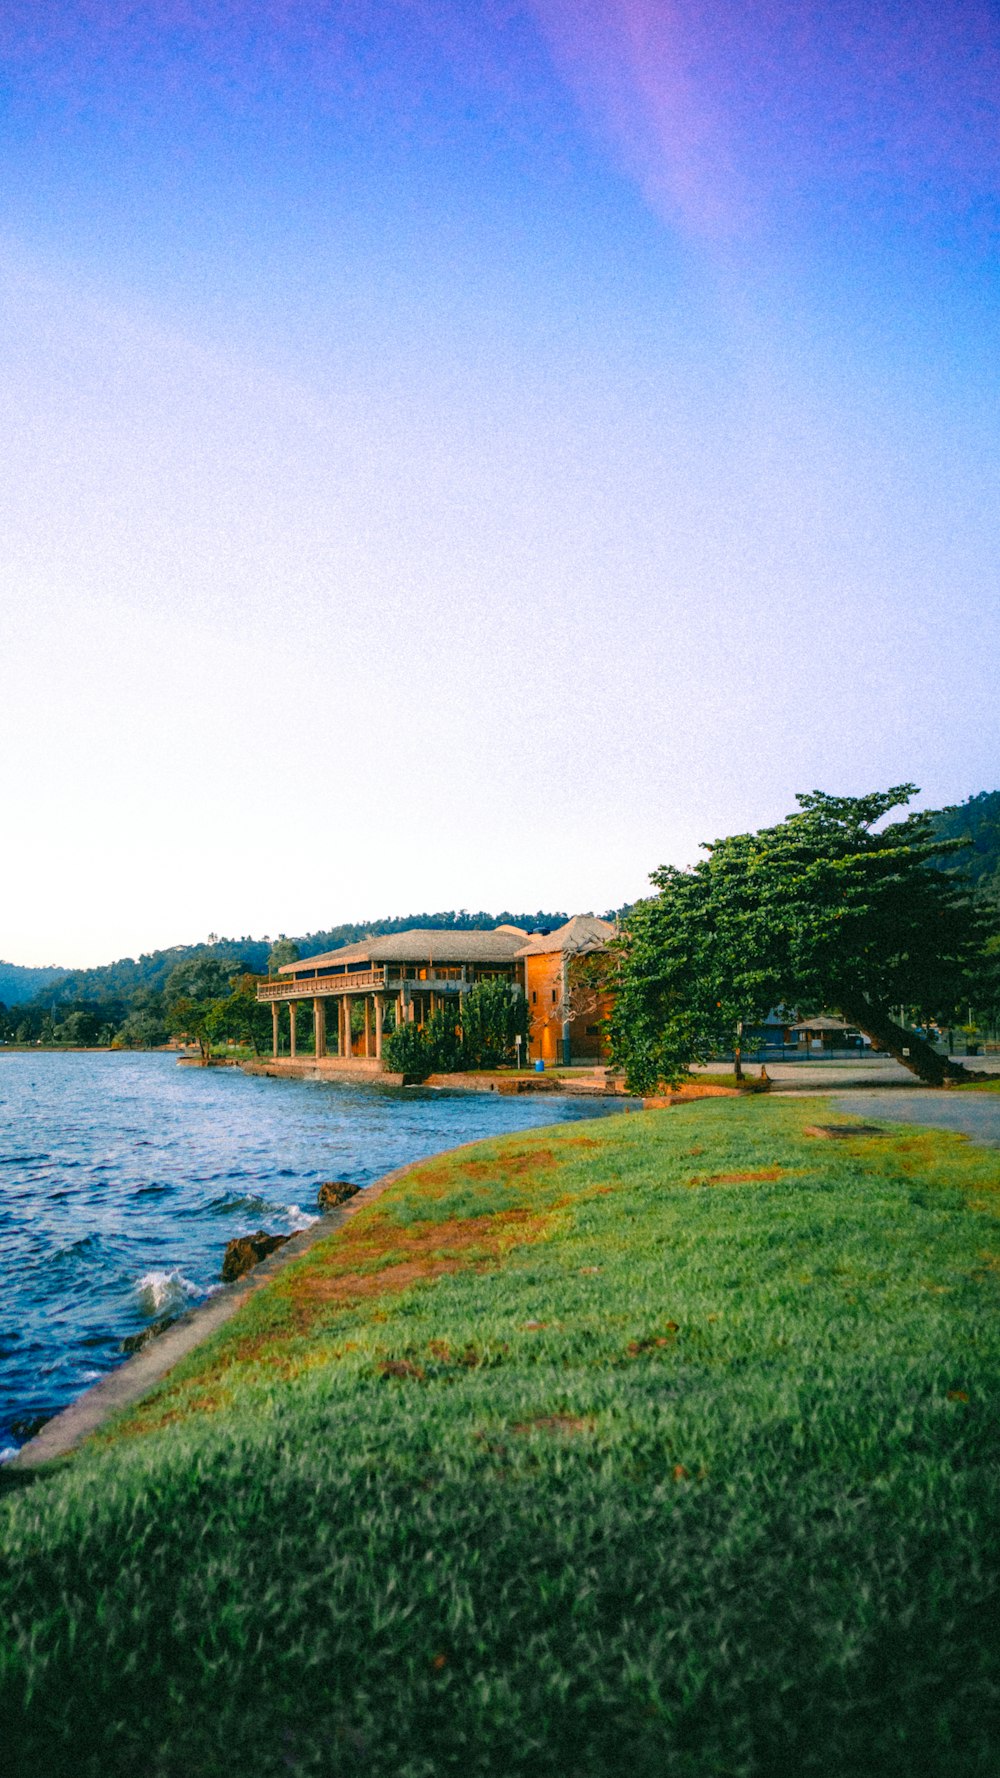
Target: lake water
column 123, row 1176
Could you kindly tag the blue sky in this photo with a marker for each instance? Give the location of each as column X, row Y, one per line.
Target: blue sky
column 469, row 457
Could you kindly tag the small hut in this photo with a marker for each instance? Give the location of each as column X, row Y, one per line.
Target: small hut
column 823, row 1033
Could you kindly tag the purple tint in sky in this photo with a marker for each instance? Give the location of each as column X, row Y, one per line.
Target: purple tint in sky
column 717, row 108
column 470, row 455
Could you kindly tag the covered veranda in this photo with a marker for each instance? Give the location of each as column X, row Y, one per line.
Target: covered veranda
column 398, row 978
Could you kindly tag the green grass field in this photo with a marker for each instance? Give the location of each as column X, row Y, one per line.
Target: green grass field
column 662, row 1445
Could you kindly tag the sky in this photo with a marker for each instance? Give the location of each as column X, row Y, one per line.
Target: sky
column 469, row 455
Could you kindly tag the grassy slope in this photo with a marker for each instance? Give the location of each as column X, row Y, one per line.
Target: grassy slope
column 576, row 1453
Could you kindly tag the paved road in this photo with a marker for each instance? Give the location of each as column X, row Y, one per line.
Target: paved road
column 972, row 1114
column 874, row 1071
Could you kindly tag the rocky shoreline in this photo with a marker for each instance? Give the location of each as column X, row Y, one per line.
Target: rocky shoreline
column 161, row 1345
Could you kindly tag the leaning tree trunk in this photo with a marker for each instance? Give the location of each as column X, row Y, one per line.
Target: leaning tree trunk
column 919, row 1057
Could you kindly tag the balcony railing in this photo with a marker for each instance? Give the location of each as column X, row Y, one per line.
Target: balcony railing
column 309, row 987
column 390, row 978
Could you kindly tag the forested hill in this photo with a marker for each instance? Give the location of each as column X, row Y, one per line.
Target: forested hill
column 118, row 983
column 977, row 819
column 19, row 983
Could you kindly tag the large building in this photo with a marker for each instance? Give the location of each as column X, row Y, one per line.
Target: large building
column 419, row 971
column 416, row 971
column 567, row 1003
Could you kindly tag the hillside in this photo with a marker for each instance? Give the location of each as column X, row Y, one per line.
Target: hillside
column 978, row 819
column 18, row 983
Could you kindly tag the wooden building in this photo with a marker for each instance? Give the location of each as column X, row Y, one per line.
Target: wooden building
column 415, row 972
column 566, row 1011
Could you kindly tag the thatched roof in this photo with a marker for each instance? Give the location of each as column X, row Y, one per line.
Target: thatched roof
column 582, row 933
column 822, row 1022
column 420, row 945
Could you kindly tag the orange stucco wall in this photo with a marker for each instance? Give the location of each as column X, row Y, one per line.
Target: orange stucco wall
column 543, row 986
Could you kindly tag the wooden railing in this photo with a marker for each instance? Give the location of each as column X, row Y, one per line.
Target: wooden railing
column 309, row 987
column 363, row 981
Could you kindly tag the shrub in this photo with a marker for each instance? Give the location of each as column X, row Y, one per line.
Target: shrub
column 492, row 1018
column 407, row 1051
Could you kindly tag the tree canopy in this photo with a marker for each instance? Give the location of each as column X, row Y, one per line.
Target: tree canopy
column 828, row 909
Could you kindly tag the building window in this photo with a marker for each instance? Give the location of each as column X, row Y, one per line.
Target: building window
column 553, row 997
column 534, row 997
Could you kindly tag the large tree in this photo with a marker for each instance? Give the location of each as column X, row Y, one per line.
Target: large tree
column 830, row 909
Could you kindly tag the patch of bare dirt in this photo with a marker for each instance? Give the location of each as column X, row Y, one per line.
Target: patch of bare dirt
column 384, row 1258
column 437, row 1179
column 567, row 1425
column 650, row 1342
column 759, row 1175
column 840, row 1132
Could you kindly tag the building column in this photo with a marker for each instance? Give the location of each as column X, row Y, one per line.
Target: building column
column 368, row 1025
column 274, row 1029
column 291, row 1029
column 319, row 1026
column 347, row 1025
column 378, row 1027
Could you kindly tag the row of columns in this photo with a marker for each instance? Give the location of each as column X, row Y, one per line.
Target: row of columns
column 406, row 1013
column 374, row 1022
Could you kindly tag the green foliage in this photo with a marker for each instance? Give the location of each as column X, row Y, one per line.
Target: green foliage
column 121, row 984
column 239, row 1017
column 407, row 1051
column 977, row 820
column 199, row 978
column 492, row 1017
column 141, row 1030
column 705, row 1481
column 284, row 950
column 19, row 983
column 83, row 1026
column 827, row 909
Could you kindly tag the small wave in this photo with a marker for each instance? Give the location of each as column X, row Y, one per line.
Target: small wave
column 21, row 1160
column 8, row 1452
column 298, row 1218
column 156, row 1289
column 84, row 1244
column 241, row 1206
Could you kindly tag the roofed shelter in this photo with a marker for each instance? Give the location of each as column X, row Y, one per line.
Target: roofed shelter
column 822, row 1032
column 413, row 972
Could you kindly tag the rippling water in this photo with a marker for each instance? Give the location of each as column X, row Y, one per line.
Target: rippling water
column 122, row 1177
